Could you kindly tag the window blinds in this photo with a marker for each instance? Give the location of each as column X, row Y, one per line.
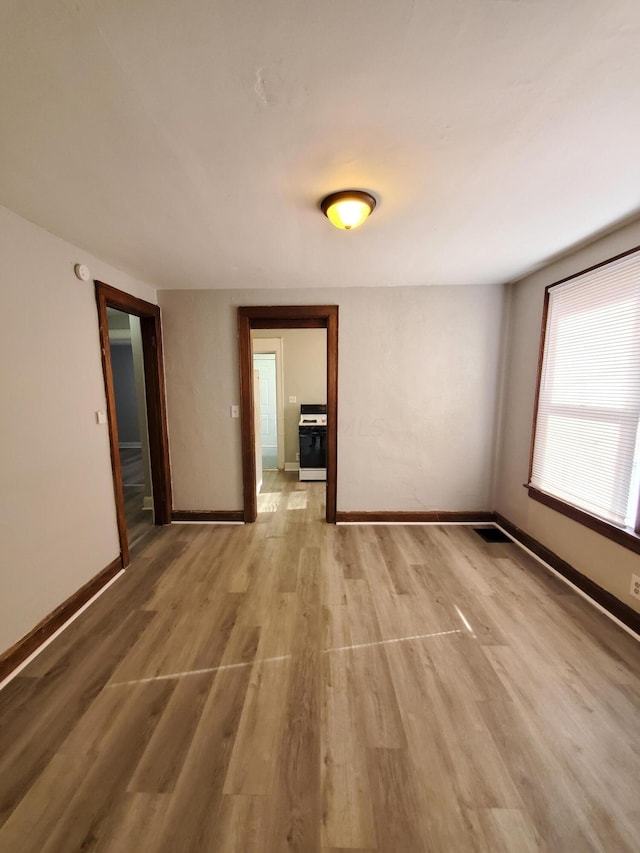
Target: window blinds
column 586, row 436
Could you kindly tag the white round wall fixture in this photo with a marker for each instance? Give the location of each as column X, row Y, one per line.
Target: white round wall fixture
column 82, row 271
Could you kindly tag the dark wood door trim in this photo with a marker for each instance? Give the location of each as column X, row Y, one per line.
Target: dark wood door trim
column 286, row 317
column 151, row 331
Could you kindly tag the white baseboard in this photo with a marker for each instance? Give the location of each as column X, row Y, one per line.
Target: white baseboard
column 291, row 466
column 126, row 445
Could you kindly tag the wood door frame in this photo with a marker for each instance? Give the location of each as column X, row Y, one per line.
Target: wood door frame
column 151, row 332
column 286, row 317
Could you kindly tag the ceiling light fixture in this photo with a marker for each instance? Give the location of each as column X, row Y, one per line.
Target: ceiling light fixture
column 348, row 208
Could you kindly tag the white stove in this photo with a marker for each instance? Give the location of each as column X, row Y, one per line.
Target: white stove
column 312, row 431
column 312, row 420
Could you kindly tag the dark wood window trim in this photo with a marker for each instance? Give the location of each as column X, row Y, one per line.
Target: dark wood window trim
column 151, row 331
column 286, row 317
column 622, row 536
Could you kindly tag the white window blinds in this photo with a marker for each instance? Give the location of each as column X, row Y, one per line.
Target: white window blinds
column 586, row 449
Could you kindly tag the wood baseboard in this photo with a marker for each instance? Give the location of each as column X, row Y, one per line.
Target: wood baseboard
column 613, row 605
column 415, row 517
column 207, row 515
column 21, row 650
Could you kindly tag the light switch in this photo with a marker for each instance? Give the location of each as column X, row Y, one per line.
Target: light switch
column 235, row 411
column 101, row 417
column 293, row 399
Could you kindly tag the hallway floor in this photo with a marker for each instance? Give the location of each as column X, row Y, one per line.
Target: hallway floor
column 292, row 685
column 139, row 521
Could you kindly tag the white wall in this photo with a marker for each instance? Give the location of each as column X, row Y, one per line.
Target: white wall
column 603, row 561
column 57, row 511
column 304, row 358
column 417, row 394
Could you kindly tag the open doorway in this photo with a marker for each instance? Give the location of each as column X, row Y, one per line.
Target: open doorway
column 276, row 318
column 268, row 361
column 125, row 345
column 291, row 368
column 145, row 334
column 265, row 366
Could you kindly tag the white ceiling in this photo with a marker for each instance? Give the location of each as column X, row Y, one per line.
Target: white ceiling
column 189, row 143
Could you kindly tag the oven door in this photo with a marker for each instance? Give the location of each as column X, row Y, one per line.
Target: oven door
column 313, row 447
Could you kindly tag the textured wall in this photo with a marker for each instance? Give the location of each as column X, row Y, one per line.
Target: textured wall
column 417, row 394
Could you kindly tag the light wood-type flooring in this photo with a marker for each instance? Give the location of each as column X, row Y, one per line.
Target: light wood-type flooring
column 291, row 685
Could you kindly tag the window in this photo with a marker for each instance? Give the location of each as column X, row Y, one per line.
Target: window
column 586, row 450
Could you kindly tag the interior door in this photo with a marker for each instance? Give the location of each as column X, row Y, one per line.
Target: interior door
column 265, row 364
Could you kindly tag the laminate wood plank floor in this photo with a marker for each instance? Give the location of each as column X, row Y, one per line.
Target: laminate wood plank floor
column 296, row 686
column 139, row 521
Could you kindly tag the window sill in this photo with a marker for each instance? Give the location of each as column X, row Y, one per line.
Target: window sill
column 622, row 536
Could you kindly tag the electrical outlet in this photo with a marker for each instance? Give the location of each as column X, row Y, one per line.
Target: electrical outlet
column 297, row 457
column 635, row 586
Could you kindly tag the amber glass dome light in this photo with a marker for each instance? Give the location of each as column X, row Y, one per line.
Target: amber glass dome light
column 348, row 208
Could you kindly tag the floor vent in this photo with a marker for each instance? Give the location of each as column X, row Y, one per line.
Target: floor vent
column 491, row 534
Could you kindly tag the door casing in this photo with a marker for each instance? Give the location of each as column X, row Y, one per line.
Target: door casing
column 286, row 317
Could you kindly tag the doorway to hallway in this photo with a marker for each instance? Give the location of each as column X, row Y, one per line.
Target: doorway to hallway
column 146, row 315
column 127, row 363
column 286, row 317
